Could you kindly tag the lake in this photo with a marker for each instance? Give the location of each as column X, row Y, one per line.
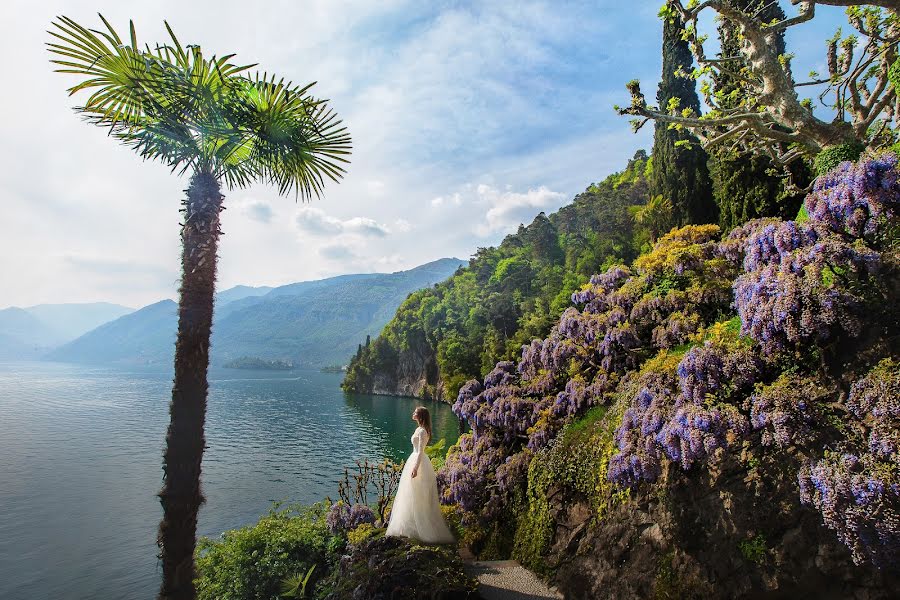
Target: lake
column 80, row 464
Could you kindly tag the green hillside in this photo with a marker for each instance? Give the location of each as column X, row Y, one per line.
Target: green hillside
column 507, row 296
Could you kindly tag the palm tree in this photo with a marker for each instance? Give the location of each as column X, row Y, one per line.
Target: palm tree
column 657, row 216
column 208, row 117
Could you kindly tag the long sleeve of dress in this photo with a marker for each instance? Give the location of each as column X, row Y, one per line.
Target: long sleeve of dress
column 421, row 440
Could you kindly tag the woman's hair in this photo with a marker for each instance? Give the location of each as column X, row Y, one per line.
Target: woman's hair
column 424, row 418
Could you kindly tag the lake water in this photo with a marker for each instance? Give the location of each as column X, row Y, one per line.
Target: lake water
column 80, row 464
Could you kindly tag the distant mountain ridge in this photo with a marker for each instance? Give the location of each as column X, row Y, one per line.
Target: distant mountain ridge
column 27, row 333
column 311, row 323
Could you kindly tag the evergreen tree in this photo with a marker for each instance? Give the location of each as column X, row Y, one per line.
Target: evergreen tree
column 680, row 173
column 743, row 187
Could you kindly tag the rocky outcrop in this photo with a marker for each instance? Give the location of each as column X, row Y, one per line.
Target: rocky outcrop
column 415, row 374
column 388, row 568
column 738, row 531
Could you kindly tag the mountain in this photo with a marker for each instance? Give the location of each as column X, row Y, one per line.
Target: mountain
column 73, row 320
column 311, row 323
column 24, row 336
column 145, row 336
column 239, row 292
column 28, row 333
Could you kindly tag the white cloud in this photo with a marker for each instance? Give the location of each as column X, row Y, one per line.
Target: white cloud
column 317, row 222
column 509, row 209
column 502, row 210
column 454, row 199
column 258, row 211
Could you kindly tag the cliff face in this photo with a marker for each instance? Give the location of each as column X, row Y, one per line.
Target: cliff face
column 414, row 373
column 737, row 531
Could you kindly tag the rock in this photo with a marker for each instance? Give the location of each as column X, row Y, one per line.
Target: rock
column 390, row 568
column 692, row 535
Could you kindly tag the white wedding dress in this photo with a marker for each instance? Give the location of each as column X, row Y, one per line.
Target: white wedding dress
column 416, row 512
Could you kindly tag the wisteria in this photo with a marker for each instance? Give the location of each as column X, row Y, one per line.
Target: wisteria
column 692, row 383
column 687, row 418
column 639, row 456
column 875, row 400
column 859, row 498
column 789, row 411
column 342, row 518
column 856, row 199
column 797, row 288
column 620, row 318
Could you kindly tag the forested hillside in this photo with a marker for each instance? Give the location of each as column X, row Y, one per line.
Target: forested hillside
column 507, row 296
column 310, row 323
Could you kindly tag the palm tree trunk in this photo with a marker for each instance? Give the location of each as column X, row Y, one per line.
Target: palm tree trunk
column 181, row 496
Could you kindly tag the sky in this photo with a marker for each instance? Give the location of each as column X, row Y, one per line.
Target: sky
column 467, row 119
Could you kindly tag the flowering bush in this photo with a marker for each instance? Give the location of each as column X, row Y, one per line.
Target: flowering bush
column 342, row 518
column 686, row 416
column 790, row 411
column 692, row 384
column 859, row 498
column 857, row 199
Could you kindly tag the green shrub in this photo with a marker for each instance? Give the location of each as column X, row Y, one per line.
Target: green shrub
column 578, row 461
column 829, row 158
column 252, row 563
column 754, row 549
column 364, row 532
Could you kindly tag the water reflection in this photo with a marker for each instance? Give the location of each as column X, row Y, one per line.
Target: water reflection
column 387, row 415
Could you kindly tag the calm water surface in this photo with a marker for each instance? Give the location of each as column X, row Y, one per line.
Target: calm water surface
column 80, row 454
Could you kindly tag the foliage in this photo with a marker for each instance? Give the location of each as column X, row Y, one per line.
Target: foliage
column 765, row 115
column 754, row 549
column 656, row 216
column 679, row 171
column 252, row 562
column 201, row 114
column 577, row 460
column 744, row 186
column 437, row 453
column 295, row 586
column 828, row 159
column 391, row 567
column 362, row 533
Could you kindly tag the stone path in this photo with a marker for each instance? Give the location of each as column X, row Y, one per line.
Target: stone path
column 507, row 580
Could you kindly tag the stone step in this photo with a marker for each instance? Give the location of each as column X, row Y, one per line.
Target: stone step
column 507, row 580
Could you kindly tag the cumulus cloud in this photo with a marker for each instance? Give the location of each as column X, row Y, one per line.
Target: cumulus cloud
column 317, row 222
column 509, row 209
column 504, row 210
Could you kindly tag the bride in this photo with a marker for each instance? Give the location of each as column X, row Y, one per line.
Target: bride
column 416, row 512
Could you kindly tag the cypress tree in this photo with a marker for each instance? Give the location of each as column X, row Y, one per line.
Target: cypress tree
column 680, row 174
column 743, row 189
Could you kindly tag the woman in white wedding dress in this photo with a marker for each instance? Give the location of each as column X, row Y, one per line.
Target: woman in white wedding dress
column 416, row 512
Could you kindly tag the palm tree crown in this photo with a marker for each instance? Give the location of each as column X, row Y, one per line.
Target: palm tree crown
column 205, row 115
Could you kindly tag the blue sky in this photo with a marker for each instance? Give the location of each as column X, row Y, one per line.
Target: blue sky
column 467, row 119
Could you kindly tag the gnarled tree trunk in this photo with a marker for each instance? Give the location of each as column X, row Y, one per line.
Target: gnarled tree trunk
column 181, row 496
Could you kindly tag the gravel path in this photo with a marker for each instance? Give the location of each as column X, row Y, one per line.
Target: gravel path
column 508, row 580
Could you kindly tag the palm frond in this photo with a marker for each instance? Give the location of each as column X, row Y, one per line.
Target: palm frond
column 173, row 104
